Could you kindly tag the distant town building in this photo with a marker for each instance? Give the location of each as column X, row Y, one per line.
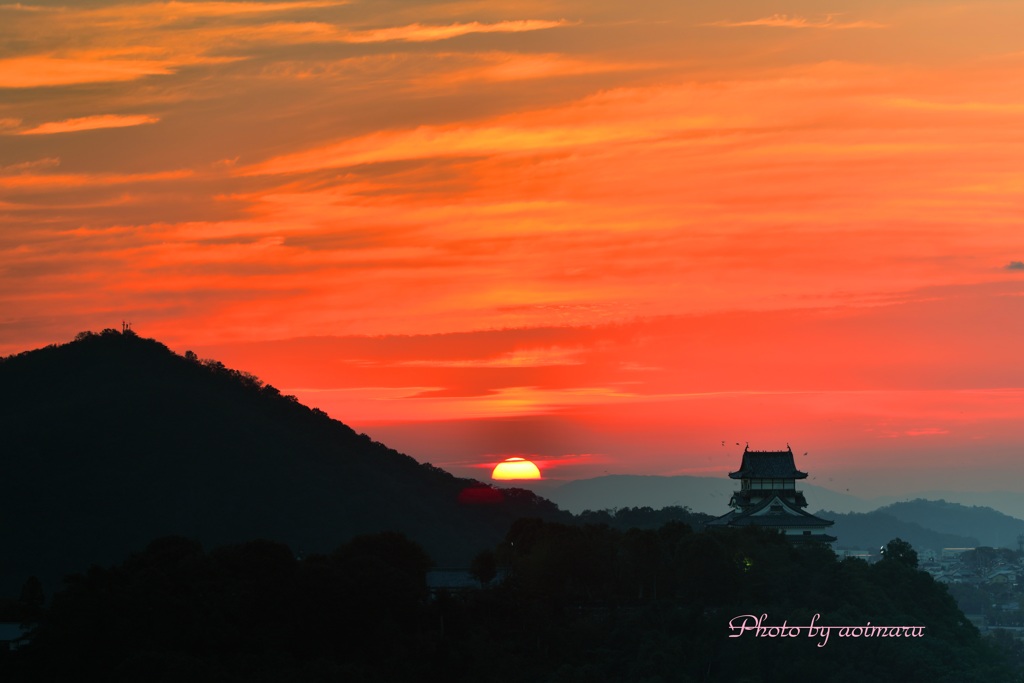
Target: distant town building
column 12, row 636
column 768, row 498
column 857, row 554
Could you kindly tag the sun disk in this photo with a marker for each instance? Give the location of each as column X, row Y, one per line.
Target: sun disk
column 515, row 468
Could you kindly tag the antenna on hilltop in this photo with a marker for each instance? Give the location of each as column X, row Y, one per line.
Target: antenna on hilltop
column 126, row 327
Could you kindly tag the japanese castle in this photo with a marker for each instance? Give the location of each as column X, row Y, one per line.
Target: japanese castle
column 768, row 498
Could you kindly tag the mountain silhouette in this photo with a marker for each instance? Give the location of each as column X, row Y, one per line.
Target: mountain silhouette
column 872, row 530
column 990, row 527
column 113, row 440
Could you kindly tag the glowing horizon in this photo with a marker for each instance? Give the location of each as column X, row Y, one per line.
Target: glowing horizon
column 613, row 237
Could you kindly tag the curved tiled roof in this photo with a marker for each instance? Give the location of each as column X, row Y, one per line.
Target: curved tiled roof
column 743, row 497
column 768, row 465
column 756, row 516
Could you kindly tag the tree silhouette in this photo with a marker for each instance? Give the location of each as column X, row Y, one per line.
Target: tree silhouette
column 900, row 551
column 484, row 567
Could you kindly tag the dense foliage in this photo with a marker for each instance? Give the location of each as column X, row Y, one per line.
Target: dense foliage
column 577, row 603
column 645, row 517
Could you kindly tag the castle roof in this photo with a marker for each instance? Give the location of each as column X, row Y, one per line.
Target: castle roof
column 768, row 465
column 773, row 512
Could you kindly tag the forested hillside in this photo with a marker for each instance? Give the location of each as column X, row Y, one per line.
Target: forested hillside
column 577, row 603
column 113, row 440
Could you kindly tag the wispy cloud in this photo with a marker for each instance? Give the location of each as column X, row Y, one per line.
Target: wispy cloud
column 520, row 358
column 428, row 33
column 29, row 166
column 786, row 21
column 441, row 141
column 499, row 67
column 51, row 70
column 127, row 43
column 1014, row 108
column 927, row 431
column 1014, row 265
column 593, row 121
column 18, row 7
column 162, row 13
column 90, row 123
column 119, row 43
column 30, row 181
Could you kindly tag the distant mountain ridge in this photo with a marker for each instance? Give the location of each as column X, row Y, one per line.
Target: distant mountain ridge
column 988, row 526
column 872, row 530
column 930, row 524
column 112, row 440
column 710, row 494
column 860, row 523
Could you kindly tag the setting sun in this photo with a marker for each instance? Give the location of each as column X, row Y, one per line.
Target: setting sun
column 790, row 225
column 515, row 468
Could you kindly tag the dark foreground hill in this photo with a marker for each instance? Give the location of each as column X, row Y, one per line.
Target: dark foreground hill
column 577, row 603
column 113, row 440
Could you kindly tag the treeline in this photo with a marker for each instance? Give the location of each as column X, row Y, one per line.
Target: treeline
column 645, row 517
column 247, row 612
column 571, row 603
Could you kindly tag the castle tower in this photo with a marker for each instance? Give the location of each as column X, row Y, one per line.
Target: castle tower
column 768, row 498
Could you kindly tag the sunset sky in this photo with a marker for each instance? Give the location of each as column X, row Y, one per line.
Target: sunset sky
column 606, row 236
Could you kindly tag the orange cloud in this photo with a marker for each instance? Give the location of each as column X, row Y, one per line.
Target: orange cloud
column 147, row 14
column 90, row 123
column 25, row 166
column 596, row 121
column 785, row 21
column 504, row 67
column 126, row 42
column 47, row 70
column 169, row 12
column 122, row 43
column 970, row 107
column 927, row 431
column 51, row 181
column 428, row 33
